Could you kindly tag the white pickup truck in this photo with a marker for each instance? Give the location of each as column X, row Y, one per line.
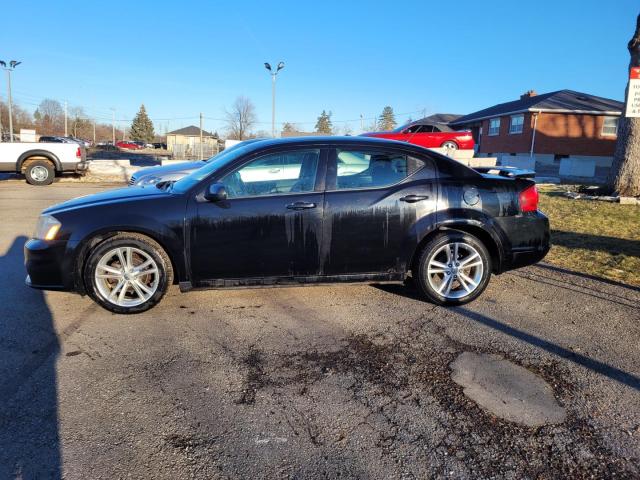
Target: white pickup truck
column 41, row 162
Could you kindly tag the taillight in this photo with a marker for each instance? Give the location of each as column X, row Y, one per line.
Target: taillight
column 78, row 153
column 529, row 199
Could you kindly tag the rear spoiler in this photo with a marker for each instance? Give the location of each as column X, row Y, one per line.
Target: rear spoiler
column 508, row 172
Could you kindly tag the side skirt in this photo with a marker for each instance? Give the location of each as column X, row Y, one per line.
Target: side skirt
column 293, row 281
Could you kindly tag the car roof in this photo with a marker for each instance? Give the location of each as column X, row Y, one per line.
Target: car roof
column 328, row 140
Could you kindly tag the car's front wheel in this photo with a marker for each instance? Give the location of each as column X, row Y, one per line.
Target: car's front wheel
column 454, row 268
column 128, row 273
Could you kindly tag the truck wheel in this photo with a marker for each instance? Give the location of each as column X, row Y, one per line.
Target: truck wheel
column 453, row 269
column 39, row 172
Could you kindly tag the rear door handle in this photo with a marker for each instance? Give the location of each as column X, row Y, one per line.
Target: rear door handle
column 301, row 205
column 414, row 198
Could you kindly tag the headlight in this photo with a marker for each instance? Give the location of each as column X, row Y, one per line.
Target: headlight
column 47, row 228
column 150, row 180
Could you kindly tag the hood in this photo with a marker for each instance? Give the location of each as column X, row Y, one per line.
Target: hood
column 108, row 196
column 164, row 169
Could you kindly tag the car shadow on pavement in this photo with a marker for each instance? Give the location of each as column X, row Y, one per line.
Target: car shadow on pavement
column 566, row 271
column 592, row 242
column 29, row 347
column 594, row 365
column 602, row 368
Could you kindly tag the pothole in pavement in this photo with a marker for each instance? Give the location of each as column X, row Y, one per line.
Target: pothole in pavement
column 507, row 390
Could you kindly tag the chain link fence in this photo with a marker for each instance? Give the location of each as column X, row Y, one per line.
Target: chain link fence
column 193, row 152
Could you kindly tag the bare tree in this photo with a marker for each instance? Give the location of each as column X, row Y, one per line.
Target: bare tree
column 624, row 177
column 21, row 118
column 240, row 119
column 290, row 127
column 347, row 130
column 81, row 125
column 50, row 117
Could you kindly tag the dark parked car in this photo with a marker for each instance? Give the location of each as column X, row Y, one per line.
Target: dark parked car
column 294, row 211
column 56, row 139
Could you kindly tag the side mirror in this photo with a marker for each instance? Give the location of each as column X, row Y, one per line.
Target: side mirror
column 216, row 193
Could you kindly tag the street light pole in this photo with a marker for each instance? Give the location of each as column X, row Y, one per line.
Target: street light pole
column 273, row 74
column 12, row 66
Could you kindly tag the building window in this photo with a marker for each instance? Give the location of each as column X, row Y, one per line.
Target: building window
column 494, row 126
column 610, row 126
column 517, row 123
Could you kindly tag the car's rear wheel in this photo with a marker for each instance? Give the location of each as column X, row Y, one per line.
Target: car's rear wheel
column 454, row 268
column 128, row 273
column 449, row 145
column 39, row 172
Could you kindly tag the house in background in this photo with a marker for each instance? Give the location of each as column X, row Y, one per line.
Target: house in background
column 566, row 134
column 186, row 141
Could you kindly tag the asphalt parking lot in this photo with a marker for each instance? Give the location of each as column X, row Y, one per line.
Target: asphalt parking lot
column 309, row 382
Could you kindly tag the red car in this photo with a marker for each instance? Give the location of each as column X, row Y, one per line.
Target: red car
column 429, row 135
column 128, row 145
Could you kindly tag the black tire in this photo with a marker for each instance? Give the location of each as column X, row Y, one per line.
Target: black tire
column 450, row 144
column 436, row 245
column 39, row 172
column 136, row 241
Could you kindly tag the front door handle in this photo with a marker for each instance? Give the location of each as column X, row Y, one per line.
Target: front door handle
column 414, row 198
column 301, row 205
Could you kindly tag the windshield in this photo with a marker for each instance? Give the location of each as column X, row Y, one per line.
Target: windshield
column 223, row 158
column 400, row 128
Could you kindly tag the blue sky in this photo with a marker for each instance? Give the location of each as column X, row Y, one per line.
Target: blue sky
column 353, row 58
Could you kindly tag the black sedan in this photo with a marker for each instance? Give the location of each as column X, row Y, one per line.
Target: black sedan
column 289, row 212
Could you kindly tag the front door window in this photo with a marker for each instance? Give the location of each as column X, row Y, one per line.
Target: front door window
column 275, row 173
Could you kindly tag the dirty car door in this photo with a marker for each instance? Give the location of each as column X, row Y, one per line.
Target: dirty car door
column 270, row 226
column 370, row 214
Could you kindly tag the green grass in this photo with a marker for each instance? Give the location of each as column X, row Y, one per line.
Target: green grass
column 593, row 237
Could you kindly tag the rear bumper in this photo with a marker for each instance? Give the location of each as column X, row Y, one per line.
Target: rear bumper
column 82, row 167
column 530, row 238
column 44, row 264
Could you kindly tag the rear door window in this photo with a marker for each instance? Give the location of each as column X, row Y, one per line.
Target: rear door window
column 370, row 169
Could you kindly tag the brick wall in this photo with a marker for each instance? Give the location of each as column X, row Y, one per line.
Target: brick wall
column 556, row 134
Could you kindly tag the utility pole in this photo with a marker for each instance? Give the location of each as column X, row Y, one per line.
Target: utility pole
column 65, row 119
column 201, row 146
column 113, row 126
column 94, row 132
column 273, row 74
column 361, row 122
column 12, row 66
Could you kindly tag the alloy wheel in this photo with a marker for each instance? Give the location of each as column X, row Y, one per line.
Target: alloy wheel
column 455, row 270
column 127, row 276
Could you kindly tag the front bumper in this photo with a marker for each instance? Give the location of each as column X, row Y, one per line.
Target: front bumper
column 45, row 262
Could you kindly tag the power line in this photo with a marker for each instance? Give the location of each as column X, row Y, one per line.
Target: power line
column 103, row 114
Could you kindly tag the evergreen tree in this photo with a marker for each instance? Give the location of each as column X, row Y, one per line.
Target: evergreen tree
column 387, row 119
column 324, row 124
column 142, row 126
